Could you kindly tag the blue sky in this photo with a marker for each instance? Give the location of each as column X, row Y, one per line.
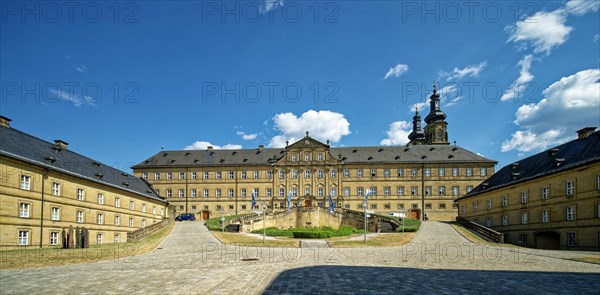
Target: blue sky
column 119, row 80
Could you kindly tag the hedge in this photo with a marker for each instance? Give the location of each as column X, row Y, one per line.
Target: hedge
column 410, row 225
column 311, row 234
column 321, row 232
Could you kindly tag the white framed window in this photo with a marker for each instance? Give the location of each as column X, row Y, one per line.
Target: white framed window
column 400, row 206
column 158, row 192
column 359, row 173
column 131, row 222
column 169, row 193
column 255, row 191
column 307, row 173
column 117, row 202
column 205, row 175
column 442, row 190
column 307, row 191
column 117, row 238
column 281, row 174
column 373, row 172
column 320, row 191
column 205, row 193
column 55, row 213
column 570, row 211
column 401, row 191
column 333, row 173
column 269, row 174
column 333, row 192
column 442, row 172
column 488, row 222
column 428, row 191
column 294, row 192
column 131, row 205
column 281, row 192
column 524, row 216
column 145, row 175
column 194, row 175
column 23, row 238
column 156, row 175
column 25, row 182
column 218, row 175
column 469, row 171
column 194, row 193
column 571, row 239
column 455, row 172
column 294, row 157
column 255, row 174
column 320, row 173
column 359, row 191
column 414, row 190
column 346, row 191
column 53, row 238
column 545, row 216
column 598, row 182
column 269, row 192
column 570, row 187
column 80, row 217
column 346, row 173
column 524, row 197
column 386, row 191
column 320, row 157
column 489, row 204
column 231, row 175
column 56, row 188
column 469, row 188
column 117, row 220
column 400, row 172
column 545, row 192
column 193, row 207
column 169, row 175
column 100, row 218
column 244, row 193
column 24, row 209
column 153, row 209
column 99, row 238
column 524, row 239
column 475, row 206
column 100, row 199
column 455, row 190
column 218, row 193
column 482, row 171
column 294, row 173
column 181, row 175
column 504, row 201
column 504, row 219
column 427, row 172
column 144, row 208
column 386, row 172
column 244, row 174
column 413, row 172
column 306, row 157
column 181, row 193
column 143, row 223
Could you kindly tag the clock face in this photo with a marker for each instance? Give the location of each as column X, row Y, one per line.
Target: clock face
column 306, row 142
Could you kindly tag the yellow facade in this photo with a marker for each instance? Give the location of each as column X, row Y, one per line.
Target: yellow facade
column 36, row 204
column 312, row 173
column 556, row 211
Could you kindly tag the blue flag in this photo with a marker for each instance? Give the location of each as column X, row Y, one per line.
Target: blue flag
column 289, row 199
column 253, row 201
column 331, row 205
column 367, row 195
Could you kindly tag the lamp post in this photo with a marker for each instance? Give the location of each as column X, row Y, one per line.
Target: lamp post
column 222, row 220
column 403, row 215
column 365, row 205
column 264, row 215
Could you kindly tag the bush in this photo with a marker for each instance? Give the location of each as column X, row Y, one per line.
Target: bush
column 311, row 234
column 274, row 232
column 410, row 225
column 215, row 223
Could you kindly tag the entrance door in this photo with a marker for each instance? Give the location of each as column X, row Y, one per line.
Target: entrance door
column 308, row 203
column 205, row 215
column 547, row 240
column 415, row 214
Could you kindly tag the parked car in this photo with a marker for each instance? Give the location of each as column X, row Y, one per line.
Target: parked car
column 184, row 217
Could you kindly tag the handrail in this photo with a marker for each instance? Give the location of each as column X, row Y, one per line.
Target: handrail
column 146, row 231
column 486, row 232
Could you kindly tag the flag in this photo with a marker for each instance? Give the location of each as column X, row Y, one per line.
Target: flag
column 331, row 205
column 367, row 195
column 289, row 199
column 253, row 201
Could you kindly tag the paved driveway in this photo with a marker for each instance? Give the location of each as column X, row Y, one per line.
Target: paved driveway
column 438, row 260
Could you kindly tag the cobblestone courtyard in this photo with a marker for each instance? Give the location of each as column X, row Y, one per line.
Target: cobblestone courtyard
column 437, row 261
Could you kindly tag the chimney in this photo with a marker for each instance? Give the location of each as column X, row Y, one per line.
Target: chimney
column 585, row 132
column 210, row 147
column 5, row 122
column 260, row 146
column 61, row 144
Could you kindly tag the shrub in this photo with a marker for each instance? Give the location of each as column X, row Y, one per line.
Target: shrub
column 410, row 225
column 274, row 232
column 311, row 234
column 215, row 223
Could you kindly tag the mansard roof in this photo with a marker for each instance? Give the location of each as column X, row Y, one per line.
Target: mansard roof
column 567, row 156
column 348, row 155
column 56, row 157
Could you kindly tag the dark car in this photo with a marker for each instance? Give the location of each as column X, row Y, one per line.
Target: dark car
column 184, row 217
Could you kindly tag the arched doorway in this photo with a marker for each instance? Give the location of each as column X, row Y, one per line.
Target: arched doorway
column 415, row 213
column 547, row 240
column 308, row 203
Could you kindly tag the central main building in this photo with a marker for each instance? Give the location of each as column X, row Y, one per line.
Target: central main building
column 422, row 178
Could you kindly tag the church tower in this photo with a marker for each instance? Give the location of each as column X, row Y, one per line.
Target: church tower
column 416, row 136
column 436, row 129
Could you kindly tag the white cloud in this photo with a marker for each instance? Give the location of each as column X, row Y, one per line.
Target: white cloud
column 468, row 71
column 581, row 7
column 202, row 145
column 541, row 31
column 269, row 5
column 396, row 71
column 569, row 104
column 420, row 105
column 397, row 134
column 74, row 99
column 247, row 136
column 596, row 38
column 81, row 68
column 519, row 85
column 322, row 125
